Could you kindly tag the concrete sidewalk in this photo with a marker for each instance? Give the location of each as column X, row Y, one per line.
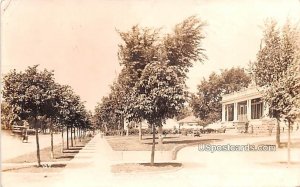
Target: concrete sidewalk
column 90, row 167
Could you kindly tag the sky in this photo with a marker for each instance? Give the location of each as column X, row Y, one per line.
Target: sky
column 78, row 39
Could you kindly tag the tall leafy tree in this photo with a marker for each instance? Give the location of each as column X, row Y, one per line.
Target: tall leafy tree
column 285, row 95
column 279, row 52
column 160, row 92
column 206, row 103
column 138, row 50
column 31, row 94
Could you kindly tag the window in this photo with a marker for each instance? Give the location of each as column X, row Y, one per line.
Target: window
column 229, row 112
column 256, row 108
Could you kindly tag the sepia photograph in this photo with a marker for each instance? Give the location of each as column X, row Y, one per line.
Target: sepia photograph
column 152, row 93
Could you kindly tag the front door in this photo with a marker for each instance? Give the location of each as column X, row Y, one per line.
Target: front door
column 242, row 113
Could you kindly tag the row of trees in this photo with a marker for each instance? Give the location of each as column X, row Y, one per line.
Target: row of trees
column 151, row 85
column 35, row 97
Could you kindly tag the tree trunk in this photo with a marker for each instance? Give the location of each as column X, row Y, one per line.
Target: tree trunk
column 51, row 134
column 289, row 144
column 74, row 135
column 160, row 135
column 67, row 137
column 153, row 145
column 62, row 139
column 78, row 134
column 79, row 137
column 140, row 132
column 37, row 144
column 278, row 134
column 71, row 136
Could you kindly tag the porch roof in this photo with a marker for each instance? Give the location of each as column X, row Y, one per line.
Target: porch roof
column 251, row 92
column 189, row 119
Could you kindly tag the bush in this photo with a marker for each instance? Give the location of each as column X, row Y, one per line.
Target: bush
column 115, row 133
column 184, row 132
column 208, row 131
column 174, row 131
column 147, row 131
column 133, row 131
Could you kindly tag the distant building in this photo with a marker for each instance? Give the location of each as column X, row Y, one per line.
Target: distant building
column 190, row 122
column 170, row 124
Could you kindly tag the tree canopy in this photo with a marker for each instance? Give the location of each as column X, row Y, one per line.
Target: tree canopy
column 275, row 69
column 206, row 102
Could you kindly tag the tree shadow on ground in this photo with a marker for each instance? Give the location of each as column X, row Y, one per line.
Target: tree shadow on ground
column 70, row 151
column 78, row 146
column 187, row 141
column 162, row 164
column 75, row 148
column 150, row 138
column 66, row 156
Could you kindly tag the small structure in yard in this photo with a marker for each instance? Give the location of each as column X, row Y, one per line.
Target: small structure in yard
column 22, row 129
column 190, row 122
column 171, row 124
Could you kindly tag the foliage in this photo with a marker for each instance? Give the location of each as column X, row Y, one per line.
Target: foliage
column 206, row 102
column 276, row 70
column 164, row 61
column 159, row 93
column 30, row 93
column 284, row 94
column 183, row 113
column 8, row 118
column 34, row 96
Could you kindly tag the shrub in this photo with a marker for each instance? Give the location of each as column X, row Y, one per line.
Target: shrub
column 184, row 132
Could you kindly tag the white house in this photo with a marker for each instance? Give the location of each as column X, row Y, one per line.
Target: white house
column 170, row 124
column 245, row 111
column 190, row 122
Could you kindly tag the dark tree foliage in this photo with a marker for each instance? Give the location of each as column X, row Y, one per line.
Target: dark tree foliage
column 206, row 102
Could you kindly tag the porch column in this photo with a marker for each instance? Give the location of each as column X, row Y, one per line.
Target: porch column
column 266, row 110
column 235, row 113
column 249, row 109
column 223, row 112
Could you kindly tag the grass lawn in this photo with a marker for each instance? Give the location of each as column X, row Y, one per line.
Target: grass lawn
column 132, row 143
column 46, row 154
column 144, row 167
column 295, row 143
column 53, row 168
